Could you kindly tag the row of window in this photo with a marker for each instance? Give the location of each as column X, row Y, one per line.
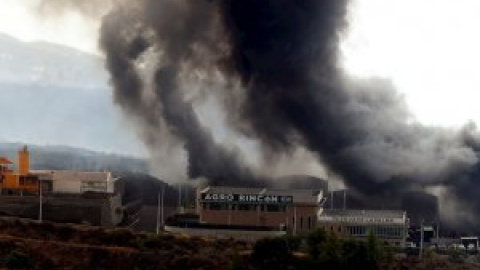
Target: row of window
column 381, row 231
column 307, row 223
column 245, row 207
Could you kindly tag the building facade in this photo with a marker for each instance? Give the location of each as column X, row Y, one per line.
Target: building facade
column 292, row 210
column 390, row 226
column 78, row 182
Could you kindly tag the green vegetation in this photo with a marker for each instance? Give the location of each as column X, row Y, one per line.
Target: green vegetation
column 25, row 245
column 457, row 255
column 17, row 259
column 271, row 253
column 323, row 251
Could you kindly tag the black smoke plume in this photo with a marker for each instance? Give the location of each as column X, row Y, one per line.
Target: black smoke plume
column 283, row 55
column 125, row 37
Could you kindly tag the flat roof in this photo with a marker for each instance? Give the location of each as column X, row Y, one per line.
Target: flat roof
column 309, row 196
column 5, row 161
column 59, row 175
column 348, row 213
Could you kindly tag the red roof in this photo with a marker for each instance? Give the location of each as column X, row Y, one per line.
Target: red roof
column 5, row 161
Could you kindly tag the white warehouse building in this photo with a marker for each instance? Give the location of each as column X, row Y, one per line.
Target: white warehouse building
column 77, row 182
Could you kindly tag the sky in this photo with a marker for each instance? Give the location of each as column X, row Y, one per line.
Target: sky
column 22, row 19
column 428, row 48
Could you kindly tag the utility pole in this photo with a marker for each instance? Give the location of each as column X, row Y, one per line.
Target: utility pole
column 157, row 227
column 420, row 253
column 179, row 198
column 163, row 199
column 344, row 199
column 294, row 220
column 40, row 209
column 438, row 228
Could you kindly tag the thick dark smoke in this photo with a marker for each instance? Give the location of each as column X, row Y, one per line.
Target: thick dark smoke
column 124, row 40
column 285, row 56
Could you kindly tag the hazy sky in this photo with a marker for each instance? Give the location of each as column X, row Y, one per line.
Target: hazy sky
column 428, row 48
column 21, row 19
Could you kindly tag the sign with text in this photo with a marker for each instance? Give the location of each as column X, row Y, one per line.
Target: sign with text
column 246, row 198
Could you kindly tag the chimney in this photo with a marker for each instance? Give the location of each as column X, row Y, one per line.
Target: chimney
column 23, row 161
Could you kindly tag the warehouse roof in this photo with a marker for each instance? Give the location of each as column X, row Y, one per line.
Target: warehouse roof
column 102, row 176
column 363, row 215
column 298, row 195
column 5, row 161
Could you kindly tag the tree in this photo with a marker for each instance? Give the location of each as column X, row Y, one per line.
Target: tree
column 314, row 241
column 271, row 253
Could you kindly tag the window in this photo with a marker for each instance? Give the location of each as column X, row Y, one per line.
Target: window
column 215, row 206
column 309, row 222
column 301, row 222
column 246, row 207
column 273, row 208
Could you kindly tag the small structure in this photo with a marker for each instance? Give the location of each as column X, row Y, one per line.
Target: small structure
column 21, row 181
column 390, row 226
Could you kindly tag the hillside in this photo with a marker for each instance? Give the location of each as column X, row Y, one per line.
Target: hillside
column 48, row 64
column 51, row 246
column 53, row 94
column 30, row 245
column 70, row 158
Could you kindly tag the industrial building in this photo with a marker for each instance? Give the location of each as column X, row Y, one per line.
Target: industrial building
column 21, row 180
column 63, row 196
column 294, row 211
column 76, row 182
column 390, row 226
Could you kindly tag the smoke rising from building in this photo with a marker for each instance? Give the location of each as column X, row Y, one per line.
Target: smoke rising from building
column 273, row 64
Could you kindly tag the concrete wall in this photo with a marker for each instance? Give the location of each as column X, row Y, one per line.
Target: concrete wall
column 69, row 209
column 112, row 212
column 71, row 181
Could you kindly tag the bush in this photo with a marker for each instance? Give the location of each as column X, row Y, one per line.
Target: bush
column 314, row 241
column 271, row 253
column 329, row 252
column 118, row 237
column 293, row 242
column 457, row 255
column 17, row 259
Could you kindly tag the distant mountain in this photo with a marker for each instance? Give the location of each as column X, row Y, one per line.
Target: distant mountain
column 45, row 64
column 70, row 158
column 51, row 94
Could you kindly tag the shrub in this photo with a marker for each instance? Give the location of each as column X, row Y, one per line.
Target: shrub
column 293, row 242
column 118, row 237
column 457, row 255
column 17, row 259
column 271, row 253
column 329, row 252
column 314, row 241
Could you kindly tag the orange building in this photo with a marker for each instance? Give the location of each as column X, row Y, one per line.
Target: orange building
column 18, row 181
